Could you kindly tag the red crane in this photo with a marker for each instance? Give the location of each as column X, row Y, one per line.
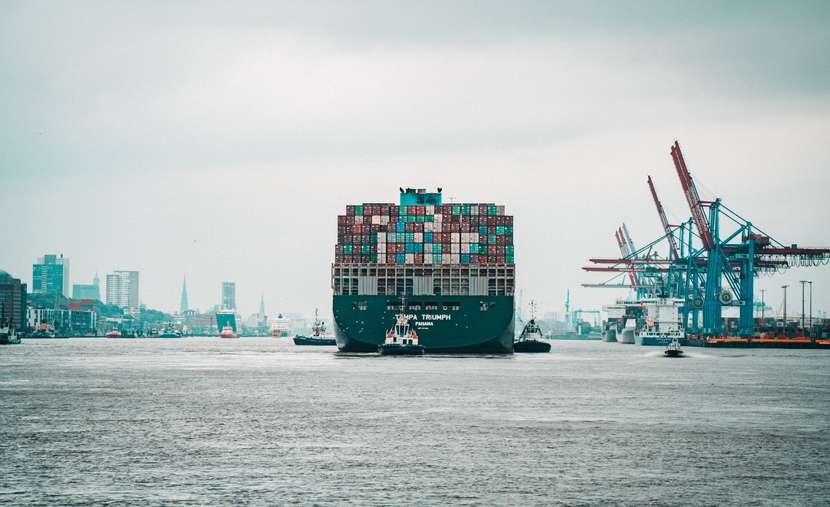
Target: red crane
column 693, row 198
column 664, row 220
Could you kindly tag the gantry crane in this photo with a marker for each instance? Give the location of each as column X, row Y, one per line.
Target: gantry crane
column 731, row 250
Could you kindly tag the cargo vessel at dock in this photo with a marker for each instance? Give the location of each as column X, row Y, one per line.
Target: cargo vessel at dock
column 449, row 268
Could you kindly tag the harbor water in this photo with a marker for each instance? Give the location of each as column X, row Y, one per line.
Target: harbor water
column 199, row 421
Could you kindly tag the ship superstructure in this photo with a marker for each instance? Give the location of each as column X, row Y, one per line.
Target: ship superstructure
column 453, row 264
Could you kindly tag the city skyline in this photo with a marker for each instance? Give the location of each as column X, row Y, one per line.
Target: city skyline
column 231, row 177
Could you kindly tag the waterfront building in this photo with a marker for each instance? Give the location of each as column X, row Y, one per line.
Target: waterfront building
column 12, row 300
column 228, row 295
column 79, row 320
column 122, row 290
column 183, row 306
column 50, row 275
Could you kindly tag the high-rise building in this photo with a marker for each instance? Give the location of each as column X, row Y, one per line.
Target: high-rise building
column 228, row 296
column 183, row 307
column 12, row 300
column 51, row 275
column 122, row 289
column 86, row 290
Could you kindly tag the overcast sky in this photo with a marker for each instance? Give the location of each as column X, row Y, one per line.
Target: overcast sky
column 220, row 140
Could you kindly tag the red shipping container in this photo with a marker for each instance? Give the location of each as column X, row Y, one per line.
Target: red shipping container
column 491, row 250
column 445, row 248
column 350, row 210
column 409, row 227
column 500, row 240
column 500, row 249
column 437, row 236
column 473, row 258
column 508, row 220
column 419, row 258
column 384, row 209
column 401, row 247
column 508, row 240
column 482, row 209
column 438, row 210
column 500, row 259
column 390, row 258
column 419, row 227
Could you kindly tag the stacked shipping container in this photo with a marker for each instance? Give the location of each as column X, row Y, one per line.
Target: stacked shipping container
column 448, row 234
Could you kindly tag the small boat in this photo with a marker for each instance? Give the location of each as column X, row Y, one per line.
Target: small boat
column 673, row 350
column 318, row 334
column 8, row 334
column 531, row 338
column 113, row 334
column 228, row 332
column 401, row 340
column 44, row 330
column 170, row 333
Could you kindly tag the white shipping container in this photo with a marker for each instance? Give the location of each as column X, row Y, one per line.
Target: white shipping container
column 465, row 248
column 430, row 210
column 391, row 236
column 455, row 237
column 437, row 227
column 381, row 248
column 473, row 237
column 384, row 220
column 410, row 258
column 474, row 209
column 358, row 220
column 438, row 218
column 455, row 247
column 427, row 258
column 419, row 237
column 428, row 227
column 456, row 258
column 381, row 237
column 499, row 210
column 376, row 219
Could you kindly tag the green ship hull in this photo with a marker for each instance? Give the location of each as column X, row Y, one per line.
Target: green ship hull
column 445, row 324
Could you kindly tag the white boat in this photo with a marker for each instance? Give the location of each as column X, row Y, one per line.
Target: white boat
column 8, row 334
column 661, row 324
column 401, row 340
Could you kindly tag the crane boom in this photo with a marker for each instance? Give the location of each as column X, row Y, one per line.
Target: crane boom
column 618, row 234
column 663, row 219
column 628, row 240
column 693, row 198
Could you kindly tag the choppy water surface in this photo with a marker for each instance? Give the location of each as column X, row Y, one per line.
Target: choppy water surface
column 208, row 421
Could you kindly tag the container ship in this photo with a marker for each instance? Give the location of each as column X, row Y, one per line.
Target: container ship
column 448, row 267
column 227, row 318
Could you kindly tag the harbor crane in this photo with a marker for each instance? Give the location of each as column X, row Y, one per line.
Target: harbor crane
column 713, row 258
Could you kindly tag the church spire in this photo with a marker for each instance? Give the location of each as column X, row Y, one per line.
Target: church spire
column 183, row 306
column 261, row 306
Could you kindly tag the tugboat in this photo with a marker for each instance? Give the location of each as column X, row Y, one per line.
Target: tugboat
column 228, row 332
column 170, row 332
column 114, row 333
column 673, row 350
column 8, row 335
column 531, row 339
column 318, row 334
column 44, row 330
column 401, row 340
